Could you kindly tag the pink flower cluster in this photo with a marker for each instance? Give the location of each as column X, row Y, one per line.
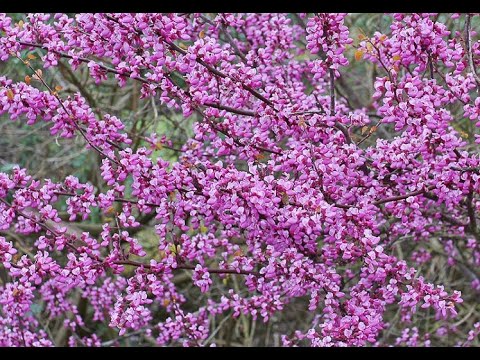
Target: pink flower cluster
column 275, row 188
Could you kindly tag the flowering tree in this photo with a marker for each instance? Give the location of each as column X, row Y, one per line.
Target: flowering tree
column 291, row 196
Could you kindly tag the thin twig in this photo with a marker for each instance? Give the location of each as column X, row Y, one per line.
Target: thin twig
column 468, row 44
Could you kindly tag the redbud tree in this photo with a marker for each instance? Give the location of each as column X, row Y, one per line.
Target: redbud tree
column 294, row 207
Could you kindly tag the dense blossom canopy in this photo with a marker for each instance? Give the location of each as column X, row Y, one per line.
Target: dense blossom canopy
column 279, row 197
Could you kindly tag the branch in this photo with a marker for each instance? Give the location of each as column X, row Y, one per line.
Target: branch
column 84, row 60
column 468, row 44
column 190, row 267
column 466, row 169
column 229, row 38
column 53, row 93
column 332, row 92
column 41, row 224
column 339, row 126
column 402, row 197
column 210, row 68
column 471, row 215
column 344, row 130
column 231, row 109
column 232, row 42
